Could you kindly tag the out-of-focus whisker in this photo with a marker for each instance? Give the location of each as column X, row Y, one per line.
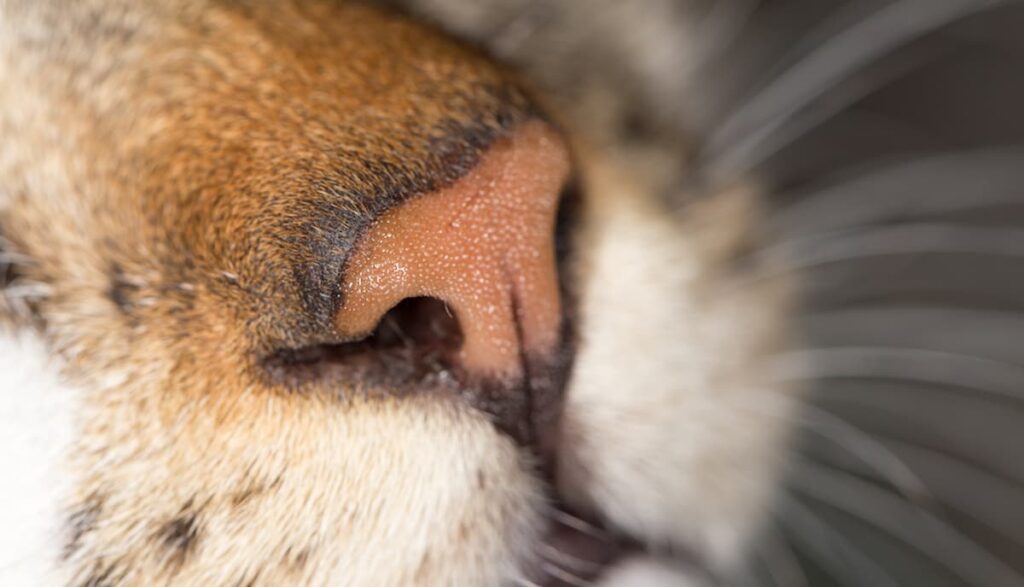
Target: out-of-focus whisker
column 908, row 239
column 754, row 150
column 954, row 484
column 565, row 560
column 829, row 547
column 931, row 185
column 781, row 562
column 564, row 575
column 958, row 484
column 927, row 366
column 913, row 526
column 959, row 424
column 577, row 523
column 869, row 450
column 947, row 328
column 847, row 49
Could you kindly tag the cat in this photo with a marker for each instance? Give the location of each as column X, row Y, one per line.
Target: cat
column 312, row 293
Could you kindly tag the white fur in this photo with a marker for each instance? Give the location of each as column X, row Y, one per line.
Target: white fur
column 36, row 411
column 673, row 431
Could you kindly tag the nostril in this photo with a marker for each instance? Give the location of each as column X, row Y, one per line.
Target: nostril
column 418, row 325
column 416, row 339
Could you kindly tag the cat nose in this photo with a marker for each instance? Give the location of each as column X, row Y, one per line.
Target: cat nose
column 483, row 245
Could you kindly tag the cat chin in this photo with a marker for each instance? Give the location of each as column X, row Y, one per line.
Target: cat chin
column 674, row 430
column 38, row 410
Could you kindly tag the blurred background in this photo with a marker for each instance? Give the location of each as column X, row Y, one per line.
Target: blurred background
column 890, row 136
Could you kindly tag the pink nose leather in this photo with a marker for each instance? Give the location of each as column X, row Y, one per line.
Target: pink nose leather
column 483, row 245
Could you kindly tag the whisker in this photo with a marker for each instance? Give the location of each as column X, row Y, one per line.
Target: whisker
column 971, row 430
column 829, row 547
column 948, row 328
column 926, row 185
column 739, row 142
column 957, row 483
column 868, row 450
column 781, row 562
column 913, row 526
column 911, row 364
column 564, row 575
column 567, row 561
column 576, row 523
column 904, row 239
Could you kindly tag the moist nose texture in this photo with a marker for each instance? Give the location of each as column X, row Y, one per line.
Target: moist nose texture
column 483, row 244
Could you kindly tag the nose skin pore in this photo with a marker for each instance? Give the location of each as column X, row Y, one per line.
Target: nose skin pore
column 483, row 245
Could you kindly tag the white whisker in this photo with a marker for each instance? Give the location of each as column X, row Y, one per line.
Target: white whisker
column 739, row 142
column 564, row 575
column 957, row 484
column 568, row 561
column 905, row 239
column 781, row 562
column 868, row 450
column 937, row 324
column 576, row 523
column 911, row 525
column 911, row 364
column 944, row 328
column 929, row 185
column 829, row 547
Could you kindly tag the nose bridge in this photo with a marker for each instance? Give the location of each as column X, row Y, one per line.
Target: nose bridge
column 483, row 245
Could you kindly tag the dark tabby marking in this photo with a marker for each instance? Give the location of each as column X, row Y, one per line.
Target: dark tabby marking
column 122, row 291
column 180, row 535
column 81, row 522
